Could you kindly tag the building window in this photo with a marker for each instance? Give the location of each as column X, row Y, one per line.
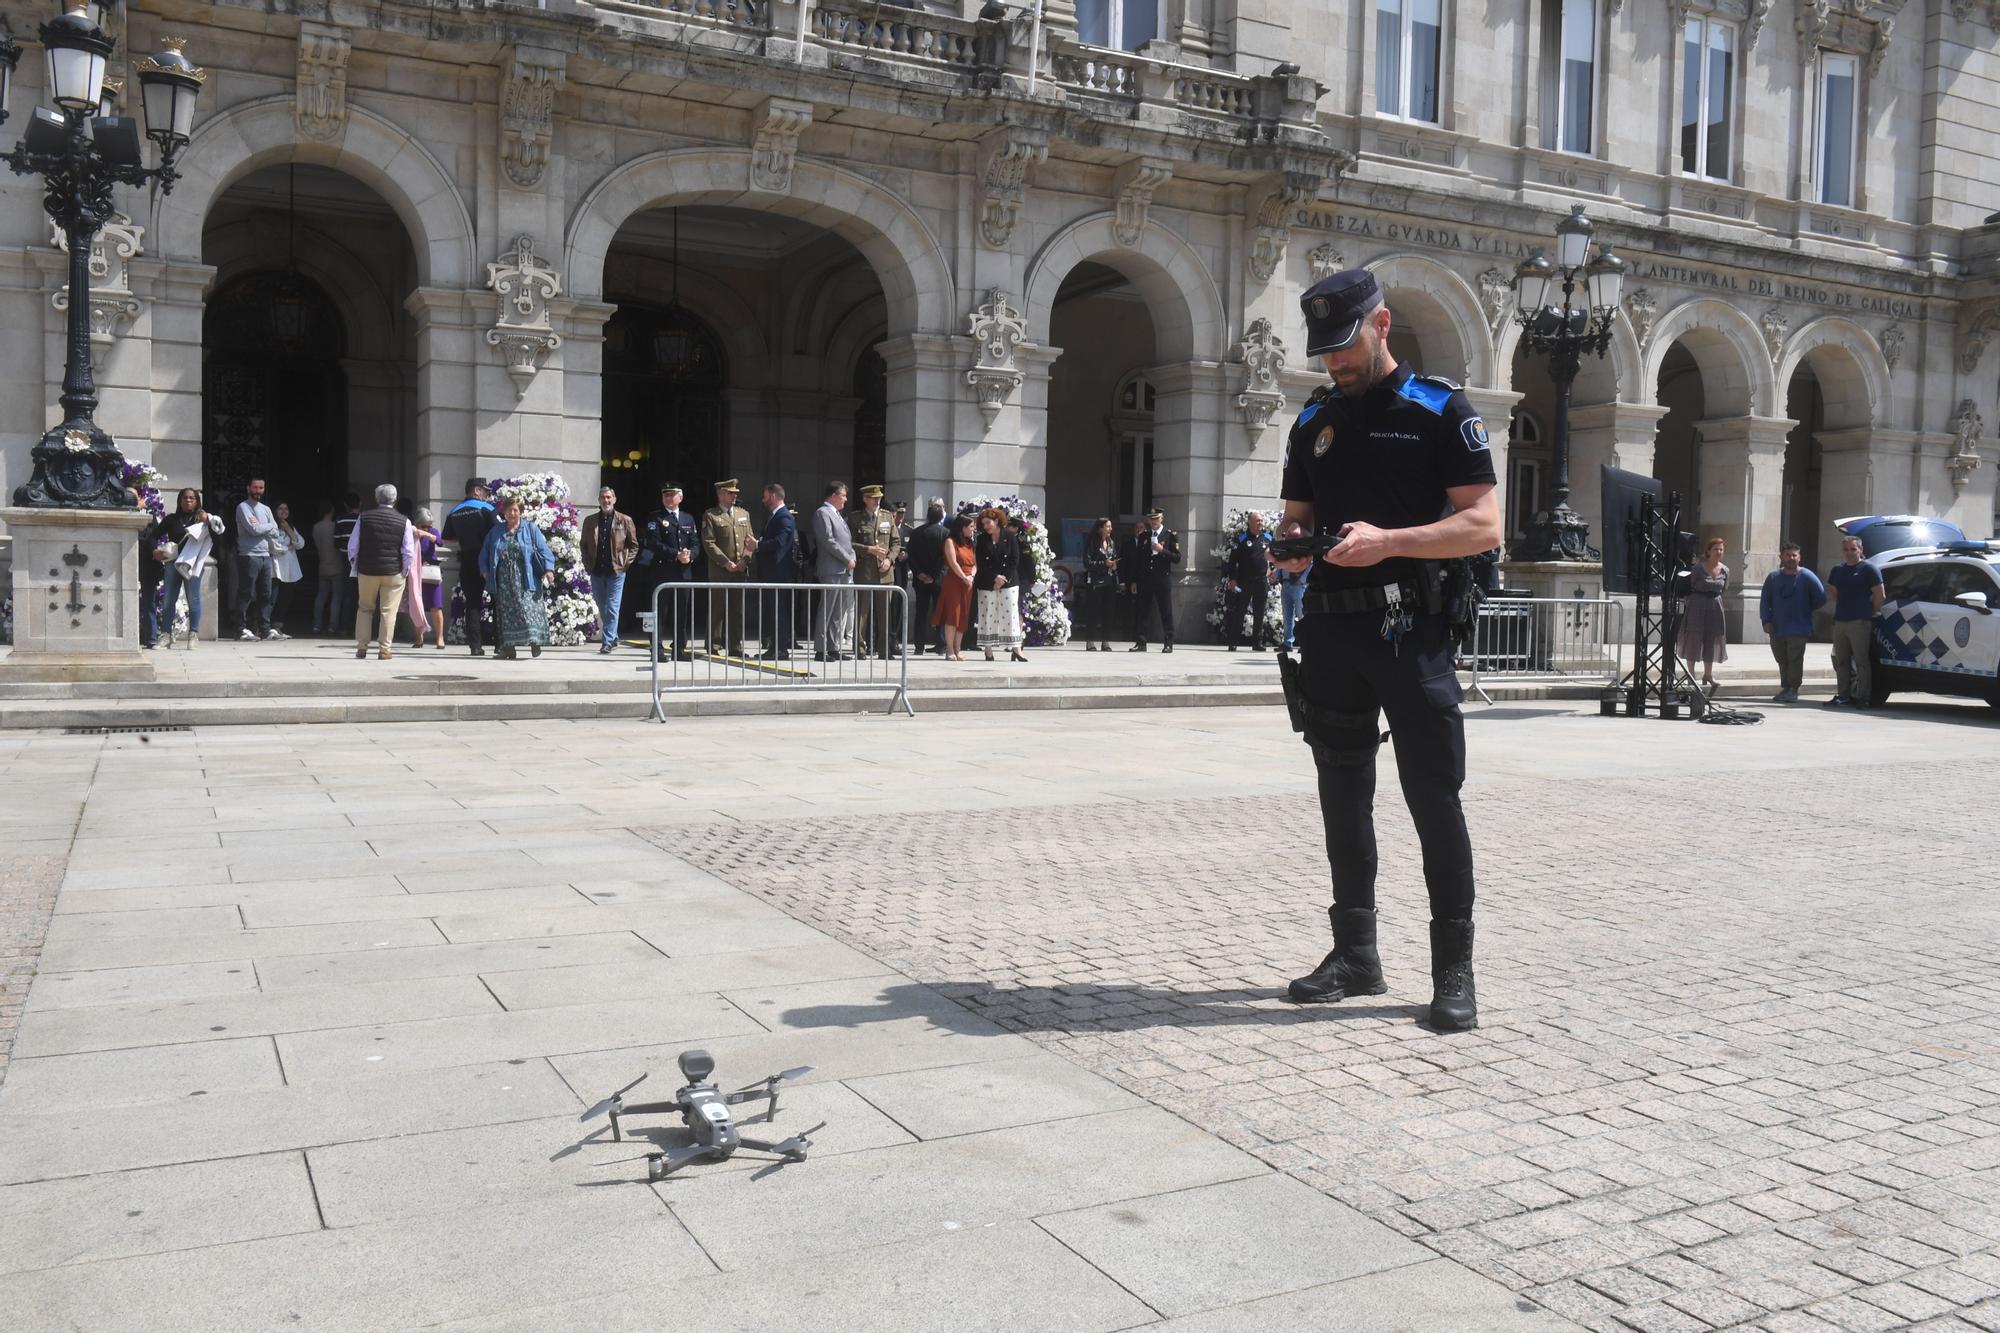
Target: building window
column 1839, row 96
column 1406, row 58
column 1708, row 97
column 1525, row 495
column 1132, row 441
column 1123, row 25
column 1569, row 60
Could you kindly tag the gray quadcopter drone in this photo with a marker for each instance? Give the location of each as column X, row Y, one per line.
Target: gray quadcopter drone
column 704, row 1110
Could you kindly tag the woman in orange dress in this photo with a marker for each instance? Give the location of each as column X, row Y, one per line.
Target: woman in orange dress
column 954, row 603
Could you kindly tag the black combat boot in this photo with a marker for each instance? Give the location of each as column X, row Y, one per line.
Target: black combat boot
column 1352, row 968
column 1454, row 1006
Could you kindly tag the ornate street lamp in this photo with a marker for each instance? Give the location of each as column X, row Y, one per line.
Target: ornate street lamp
column 1564, row 331
column 80, row 156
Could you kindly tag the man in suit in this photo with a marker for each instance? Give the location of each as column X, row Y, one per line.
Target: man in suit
column 777, row 551
column 610, row 544
column 876, row 546
column 728, row 544
column 1156, row 553
column 833, row 568
column 925, row 550
column 465, row 527
column 666, row 554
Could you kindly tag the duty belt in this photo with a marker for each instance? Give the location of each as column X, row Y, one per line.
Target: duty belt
column 1351, row 601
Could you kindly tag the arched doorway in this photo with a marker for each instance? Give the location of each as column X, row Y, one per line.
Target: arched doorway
column 664, row 418
column 1100, row 419
column 274, row 397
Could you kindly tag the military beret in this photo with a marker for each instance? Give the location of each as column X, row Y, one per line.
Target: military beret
column 1335, row 306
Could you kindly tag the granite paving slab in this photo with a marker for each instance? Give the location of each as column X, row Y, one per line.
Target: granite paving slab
column 546, row 986
column 135, row 985
column 224, row 945
column 1430, row 1297
column 56, row 1083
column 558, row 955
column 943, row 1102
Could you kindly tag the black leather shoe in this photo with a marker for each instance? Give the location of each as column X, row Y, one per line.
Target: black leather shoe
column 1136, row 648
column 1454, row 1003
column 1353, row 968
column 1167, row 648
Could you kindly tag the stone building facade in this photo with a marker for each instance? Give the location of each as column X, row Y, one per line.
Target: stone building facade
column 973, row 251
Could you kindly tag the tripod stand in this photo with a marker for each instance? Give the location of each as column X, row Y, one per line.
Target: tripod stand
column 1658, row 677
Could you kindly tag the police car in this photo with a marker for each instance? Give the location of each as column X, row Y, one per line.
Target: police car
column 1892, row 534
column 1939, row 628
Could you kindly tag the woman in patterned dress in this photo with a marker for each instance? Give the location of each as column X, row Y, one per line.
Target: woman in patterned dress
column 517, row 565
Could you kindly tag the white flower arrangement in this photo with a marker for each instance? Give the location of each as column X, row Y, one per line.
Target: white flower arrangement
column 1044, row 617
column 1238, row 521
column 545, row 503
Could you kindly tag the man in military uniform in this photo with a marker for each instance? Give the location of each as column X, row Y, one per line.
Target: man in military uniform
column 877, row 543
column 1397, row 468
column 667, row 548
column 1249, row 575
column 727, row 543
column 1155, row 553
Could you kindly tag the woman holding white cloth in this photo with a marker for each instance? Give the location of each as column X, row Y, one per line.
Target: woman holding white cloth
column 185, row 542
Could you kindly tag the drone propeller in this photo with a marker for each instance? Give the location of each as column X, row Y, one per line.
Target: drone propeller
column 777, row 1078
column 796, row 1145
column 606, row 1104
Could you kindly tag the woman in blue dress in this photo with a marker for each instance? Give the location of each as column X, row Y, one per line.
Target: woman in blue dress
column 517, row 564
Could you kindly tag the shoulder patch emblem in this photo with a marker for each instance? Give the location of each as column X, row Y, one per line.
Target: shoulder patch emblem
column 1474, row 431
column 1323, row 443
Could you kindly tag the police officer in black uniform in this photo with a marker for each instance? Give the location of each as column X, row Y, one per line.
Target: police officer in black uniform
column 669, row 546
column 1150, row 563
column 1248, row 575
column 1397, row 467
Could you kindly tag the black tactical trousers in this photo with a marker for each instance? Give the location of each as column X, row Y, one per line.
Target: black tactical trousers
column 1253, row 603
column 472, row 587
column 1158, row 593
column 1349, row 671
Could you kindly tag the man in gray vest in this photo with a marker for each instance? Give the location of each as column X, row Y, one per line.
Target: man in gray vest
column 382, row 548
column 833, row 566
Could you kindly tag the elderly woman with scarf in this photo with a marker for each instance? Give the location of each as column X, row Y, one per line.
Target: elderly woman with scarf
column 517, row 564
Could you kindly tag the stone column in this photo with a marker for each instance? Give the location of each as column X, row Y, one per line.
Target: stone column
column 1620, row 434
column 1863, row 471
column 1198, row 441
column 1742, row 478
column 175, row 312
column 448, row 439
column 936, row 433
column 1496, row 409
column 576, row 374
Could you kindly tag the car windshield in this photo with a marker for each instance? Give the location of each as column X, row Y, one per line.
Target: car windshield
column 1896, row 534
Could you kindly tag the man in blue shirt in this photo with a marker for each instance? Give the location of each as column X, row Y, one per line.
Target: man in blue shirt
column 1856, row 586
column 1786, row 607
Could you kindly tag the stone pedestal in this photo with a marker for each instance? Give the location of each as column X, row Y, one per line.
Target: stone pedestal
column 76, row 595
column 1554, row 578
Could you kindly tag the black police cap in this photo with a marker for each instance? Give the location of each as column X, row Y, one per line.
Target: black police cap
column 1335, row 307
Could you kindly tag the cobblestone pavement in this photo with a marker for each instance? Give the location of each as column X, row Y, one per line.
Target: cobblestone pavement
column 1740, row 1061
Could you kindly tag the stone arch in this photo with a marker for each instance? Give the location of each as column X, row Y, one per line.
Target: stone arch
column 1181, row 297
column 894, row 239
column 717, row 304
column 1730, row 350
column 1438, row 309
column 1853, row 376
column 1612, row 378
column 369, row 310
column 847, row 341
column 385, row 158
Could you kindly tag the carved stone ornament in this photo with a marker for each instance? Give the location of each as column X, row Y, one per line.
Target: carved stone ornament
column 1640, row 306
column 1892, row 345
column 1325, row 260
column 776, row 149
column 1004, row 159
column 1878, row 45
column 319, row 105
column 1496, row 295
column 112, row 305
column 1811, row 23
column 1966, row 424
column 1262, row 355
column 528, row 113
column 1974, row 329
column 524, row 333
column 1272, row 220
column 1132, row 195
column 1774, row 324
column 1963, row 10
column 999, row 330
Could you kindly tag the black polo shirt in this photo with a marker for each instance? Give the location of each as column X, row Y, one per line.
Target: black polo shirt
column 1385, row 458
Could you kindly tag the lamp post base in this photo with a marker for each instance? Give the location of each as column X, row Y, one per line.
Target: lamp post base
column 76, row 595
column 77, row 466
column 1556, row 534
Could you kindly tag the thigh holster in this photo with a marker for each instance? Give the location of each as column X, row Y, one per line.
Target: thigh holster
column 1336, row 736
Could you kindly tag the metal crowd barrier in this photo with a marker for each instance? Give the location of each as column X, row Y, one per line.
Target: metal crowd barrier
column 1545, row 638
column 775, row 636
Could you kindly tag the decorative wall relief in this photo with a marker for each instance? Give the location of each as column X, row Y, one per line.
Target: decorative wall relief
column 1640, row 306
column 1975, row 327
column 999, row 330
column 528, row 91
column 1966, row 424
column 775, row 152
column 1132, row 195
column 319, row 105
column 1004, row 159
column 1271, row 219
column 1774, row 323
column 1892, row 345
column 524, row 333
column 1262, row 356
column 1496, row 296
column 1325, row 260
column 112, row 305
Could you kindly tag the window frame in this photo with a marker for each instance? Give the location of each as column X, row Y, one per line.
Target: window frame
column 1708, row 22
column 1561, row 127
column 1114, row 22
column 1824, row 58
column 1404, row 67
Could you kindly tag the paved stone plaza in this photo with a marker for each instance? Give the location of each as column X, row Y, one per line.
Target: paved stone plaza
column 319, row 1007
